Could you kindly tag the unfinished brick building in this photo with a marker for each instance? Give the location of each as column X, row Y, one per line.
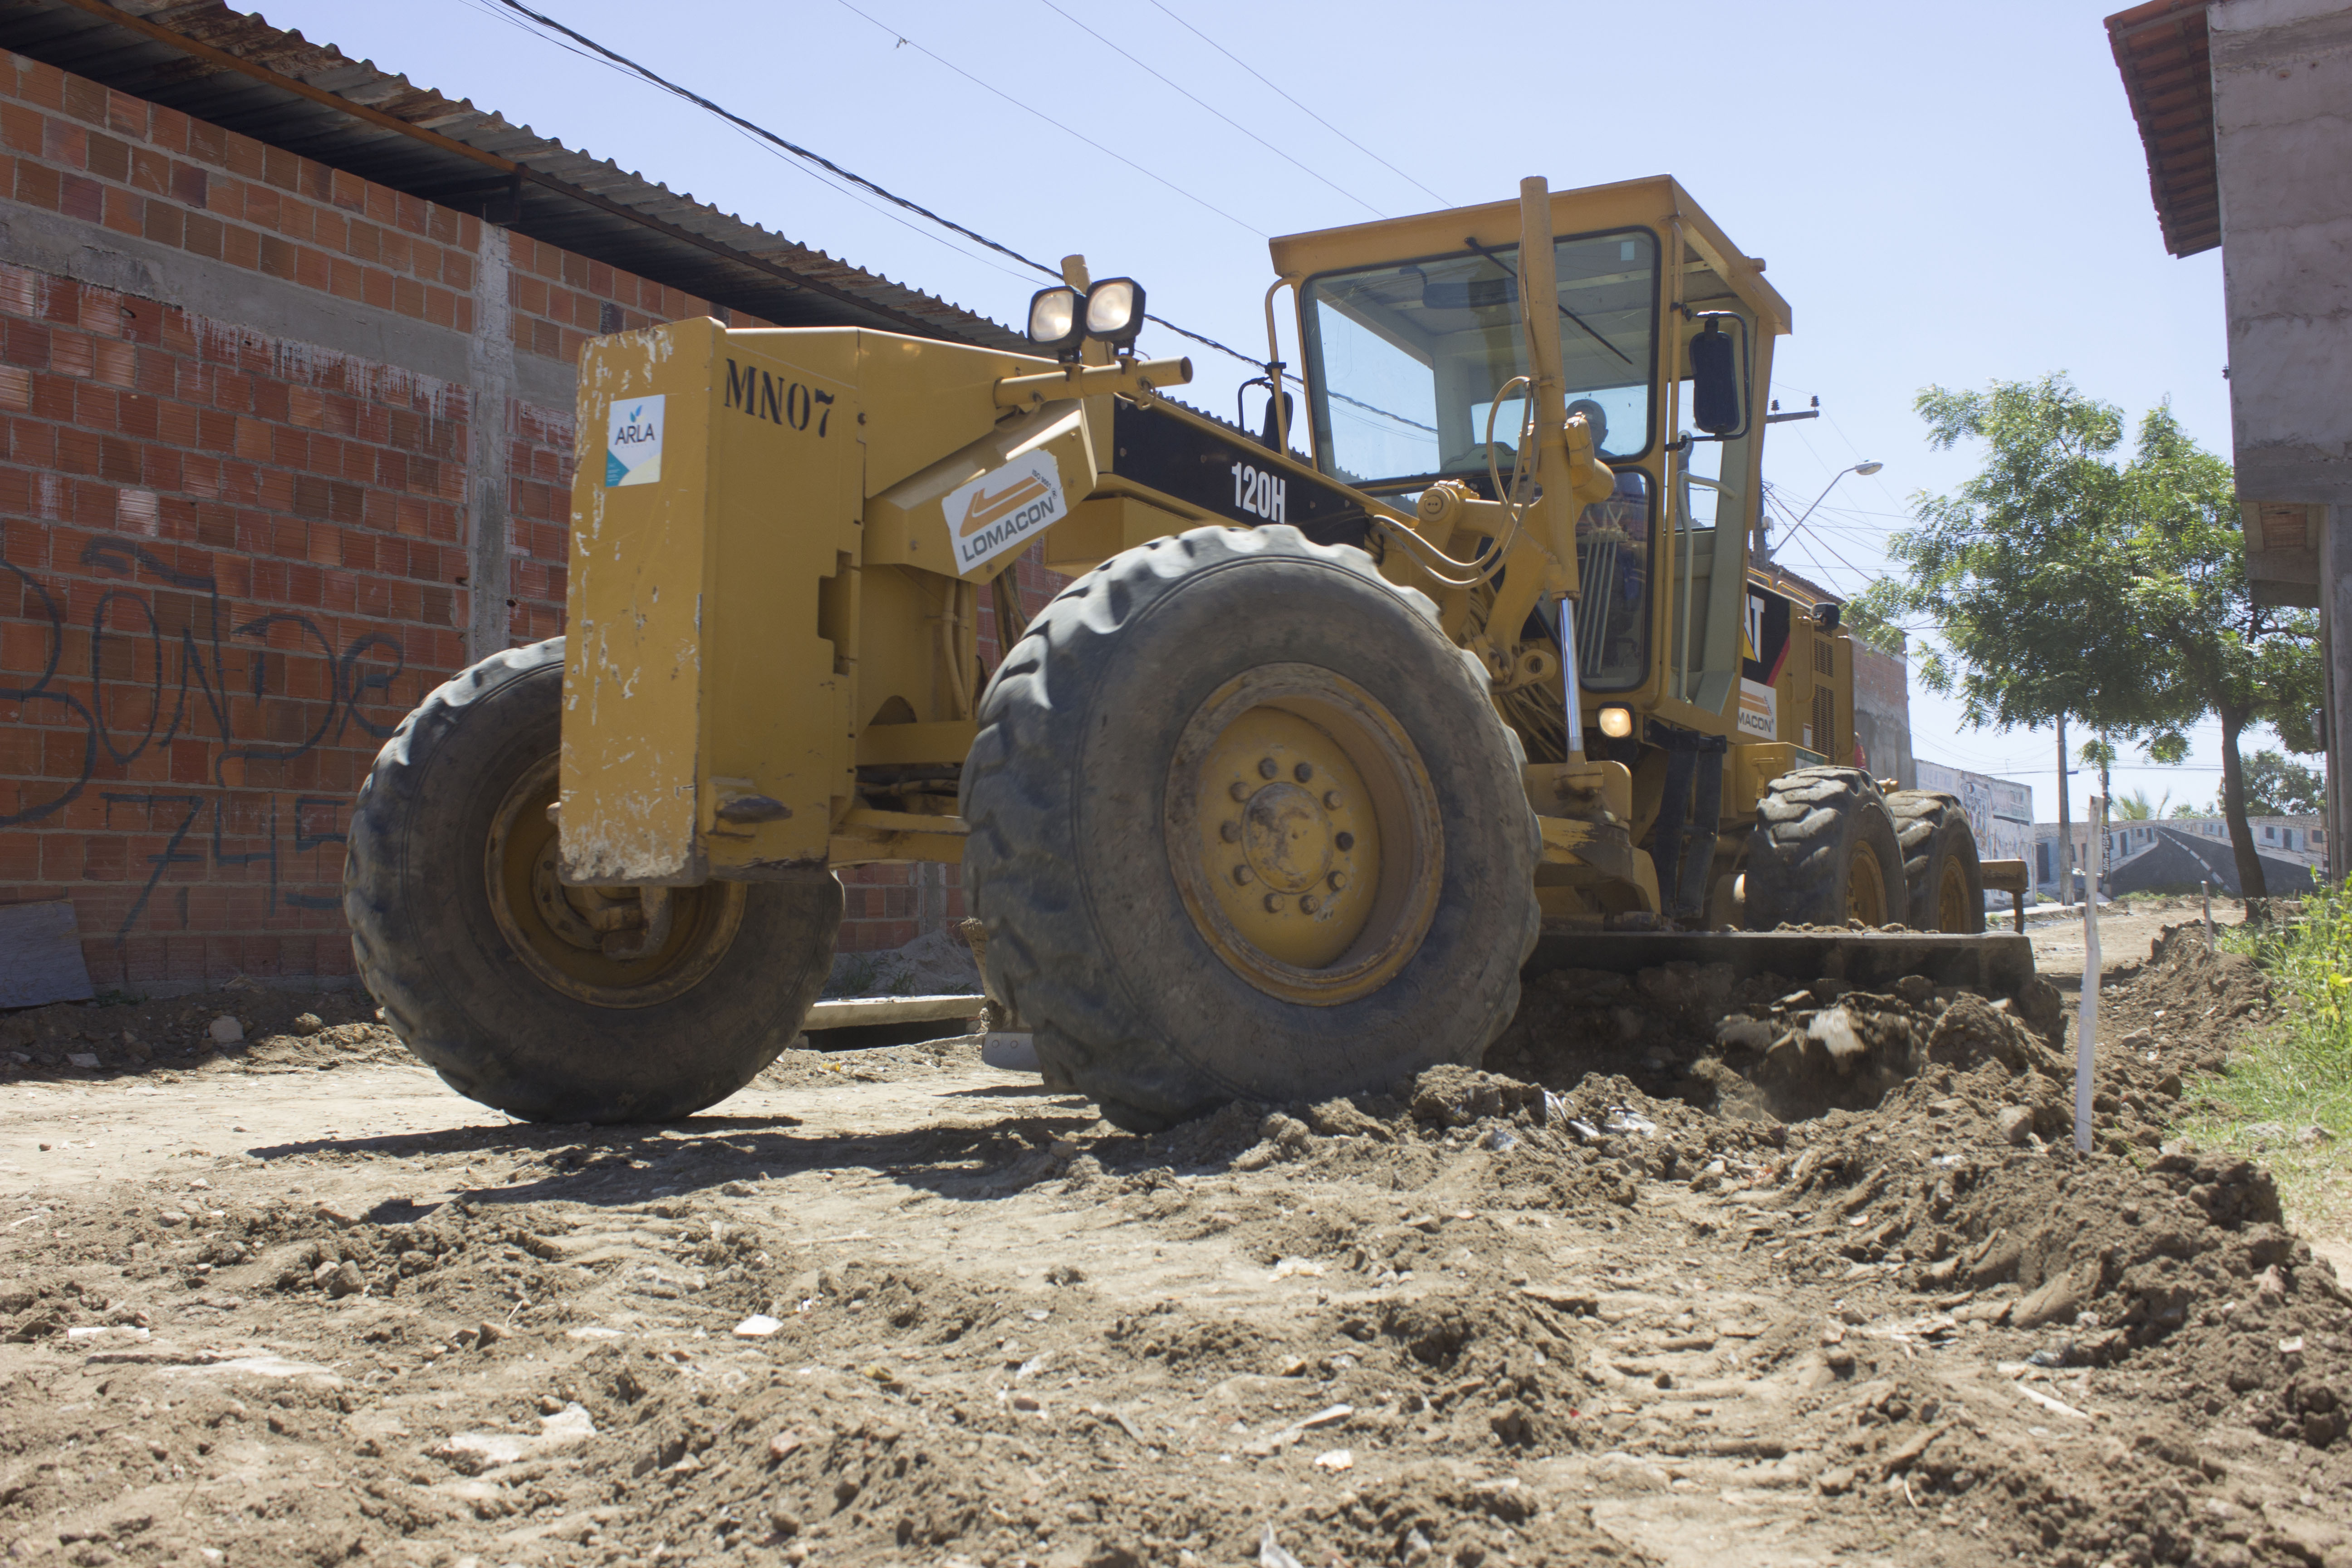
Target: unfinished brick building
column 287, row 353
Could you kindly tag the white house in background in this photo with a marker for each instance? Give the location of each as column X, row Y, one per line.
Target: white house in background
column 2000, row 812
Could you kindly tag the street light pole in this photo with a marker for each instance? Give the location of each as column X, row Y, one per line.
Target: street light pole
column 1764, row 542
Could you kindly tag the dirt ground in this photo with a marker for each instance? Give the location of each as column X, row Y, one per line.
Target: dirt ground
column 1694, row 1273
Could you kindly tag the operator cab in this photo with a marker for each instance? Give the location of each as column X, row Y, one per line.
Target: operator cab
column 1412, row 350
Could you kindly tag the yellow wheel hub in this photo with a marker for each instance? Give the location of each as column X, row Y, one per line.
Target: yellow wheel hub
column 1304, row 833
column 1294, row 854
column 1865, row 888
column 614, row 947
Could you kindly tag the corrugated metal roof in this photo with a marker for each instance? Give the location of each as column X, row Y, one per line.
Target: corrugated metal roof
column 234, row 69
column 2163, row 52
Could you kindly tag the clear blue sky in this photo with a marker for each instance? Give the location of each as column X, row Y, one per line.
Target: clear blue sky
column 1945, row 195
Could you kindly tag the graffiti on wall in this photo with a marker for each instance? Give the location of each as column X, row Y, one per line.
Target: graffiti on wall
column 170, row 661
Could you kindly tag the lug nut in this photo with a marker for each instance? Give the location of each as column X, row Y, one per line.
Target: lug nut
column 1309, row 903
column 1346, row 841
column 1240, row 791
column 1303, row 771
column 1331, row 800
column 1339, row 880
column 1231, row 832
column 1274, row 903
column 1267, row 768
column 1243, row 876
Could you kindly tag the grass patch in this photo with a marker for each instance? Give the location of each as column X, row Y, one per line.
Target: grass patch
column 2297, row 1074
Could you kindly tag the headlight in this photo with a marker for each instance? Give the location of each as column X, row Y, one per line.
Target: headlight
column 1616, row 722
column 1053, row 319
column 1115, row 310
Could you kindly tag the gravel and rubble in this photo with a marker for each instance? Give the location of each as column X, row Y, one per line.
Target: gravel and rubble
column 1690, row 1272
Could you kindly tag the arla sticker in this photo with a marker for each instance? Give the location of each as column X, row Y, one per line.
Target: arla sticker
column 633, row 442
column 1003, row 510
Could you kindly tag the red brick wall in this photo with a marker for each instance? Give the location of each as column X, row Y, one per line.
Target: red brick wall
column 229, row 561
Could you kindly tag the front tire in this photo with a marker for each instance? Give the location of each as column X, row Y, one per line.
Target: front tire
column 555, row 1003
column 1940, row 860
column 1245, row 824
column 1824, row 853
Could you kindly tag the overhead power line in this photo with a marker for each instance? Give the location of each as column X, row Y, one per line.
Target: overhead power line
column 1033, row 110
column 762, row 133
column 1302, row 109
column 1213, row 108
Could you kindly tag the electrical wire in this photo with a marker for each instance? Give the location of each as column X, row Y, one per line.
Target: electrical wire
column 1220, row 113
column 494, row 8
column 1302, row 109
column 1033, row 110
column 623, row 63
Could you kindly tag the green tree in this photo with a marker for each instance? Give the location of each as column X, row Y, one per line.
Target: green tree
column 2137, row 807
column 1875, row 616
column 2278, row 785
column 2066, row 585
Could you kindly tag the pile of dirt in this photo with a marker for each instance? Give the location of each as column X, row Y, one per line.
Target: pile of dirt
column 246, row 1029
column 936, row 964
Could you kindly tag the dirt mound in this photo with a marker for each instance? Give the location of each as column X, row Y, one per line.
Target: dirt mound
column 273, row 1031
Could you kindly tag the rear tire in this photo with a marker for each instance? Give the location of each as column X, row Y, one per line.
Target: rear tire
column 1824, row 853
column 1939, row 861
column 1215, row 867
column 459, row 929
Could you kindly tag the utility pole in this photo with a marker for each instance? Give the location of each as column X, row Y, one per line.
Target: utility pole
column 2065, row 835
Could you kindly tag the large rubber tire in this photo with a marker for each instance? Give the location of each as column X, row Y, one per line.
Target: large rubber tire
column 1940, row 860
column 430, row 947
column 1070, row 864
column 1819, row 832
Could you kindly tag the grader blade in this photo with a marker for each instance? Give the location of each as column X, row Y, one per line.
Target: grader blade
column 1993, row 965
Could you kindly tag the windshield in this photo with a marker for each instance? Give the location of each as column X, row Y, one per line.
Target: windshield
column 1404, row 361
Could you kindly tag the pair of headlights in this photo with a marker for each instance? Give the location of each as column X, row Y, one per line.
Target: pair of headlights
column 1111, row 312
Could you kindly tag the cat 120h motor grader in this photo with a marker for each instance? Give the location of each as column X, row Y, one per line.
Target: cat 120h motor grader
column 1273, row 800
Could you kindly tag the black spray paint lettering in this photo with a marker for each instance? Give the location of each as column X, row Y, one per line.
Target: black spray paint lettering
column 363, row 673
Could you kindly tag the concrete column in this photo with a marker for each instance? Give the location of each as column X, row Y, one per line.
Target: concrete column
column 490, row 378
column 2336, row 647
column 930, row 896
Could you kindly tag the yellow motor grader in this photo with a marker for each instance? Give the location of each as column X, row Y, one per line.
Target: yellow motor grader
column 1273, row 800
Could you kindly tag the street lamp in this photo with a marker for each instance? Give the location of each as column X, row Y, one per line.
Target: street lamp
column 1764, row 541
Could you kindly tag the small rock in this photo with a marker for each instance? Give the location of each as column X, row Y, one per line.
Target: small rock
column 308, row 1024
column 735, row 1190
column 344, row 1279
column 1743, row 1033
column 2169, row 1086
column 1027, row 1402
column 758, row 1326
column 1838, row 1479
column 82, row 1059
column 783, row 1445
column 1337, row 1459
column 491, row 1333
column 2059, row 1300
column 1064, row 1274
column 226, row 1030
column 784, row 1522
column 2015, row 1124
column 2313, row 1135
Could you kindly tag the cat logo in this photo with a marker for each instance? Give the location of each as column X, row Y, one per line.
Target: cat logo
column 1003, row 510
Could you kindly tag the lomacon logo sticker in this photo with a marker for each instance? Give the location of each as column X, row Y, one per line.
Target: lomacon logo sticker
column 633, row 442
column 1003, row 510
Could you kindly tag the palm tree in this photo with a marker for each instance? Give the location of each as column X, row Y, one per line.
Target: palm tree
column 2137, row 807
